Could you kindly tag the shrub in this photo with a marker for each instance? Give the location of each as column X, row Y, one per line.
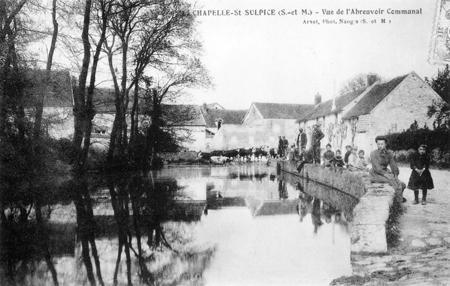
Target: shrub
column 446, row 158
column 412, row 139
column 401, row 156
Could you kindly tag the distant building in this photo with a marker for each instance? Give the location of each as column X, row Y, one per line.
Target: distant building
column 220, row 118
column 261, row 126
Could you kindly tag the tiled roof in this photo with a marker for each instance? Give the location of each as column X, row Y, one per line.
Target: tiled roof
column 282, row 110
column 58, row 94
column 373, row 97
column 324, row 108
column 227, row 116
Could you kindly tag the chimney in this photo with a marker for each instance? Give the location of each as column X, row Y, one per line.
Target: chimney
column 317, row 99
column 371, row 79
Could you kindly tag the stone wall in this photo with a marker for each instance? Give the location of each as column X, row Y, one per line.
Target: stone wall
column 368, row 227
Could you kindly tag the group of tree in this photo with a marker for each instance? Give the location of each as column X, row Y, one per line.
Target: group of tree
column 151, row 55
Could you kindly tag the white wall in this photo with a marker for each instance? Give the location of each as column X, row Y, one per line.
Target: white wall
column 261, row 132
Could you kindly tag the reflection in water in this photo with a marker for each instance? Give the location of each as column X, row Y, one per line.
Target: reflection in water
column 203, row 225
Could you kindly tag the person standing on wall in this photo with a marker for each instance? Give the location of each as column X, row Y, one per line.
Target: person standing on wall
column 420, row 175
column 302, row 140
column 381, row 158
column 285, row 146
column 280, row 147
column 317, row 135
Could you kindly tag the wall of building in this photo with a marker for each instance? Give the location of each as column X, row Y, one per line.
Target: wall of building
column 261, row 132
column 337, row 132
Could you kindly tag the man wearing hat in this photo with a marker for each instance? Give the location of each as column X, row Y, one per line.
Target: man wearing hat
column 381, row 158
column 302, row 140
column 317, row 135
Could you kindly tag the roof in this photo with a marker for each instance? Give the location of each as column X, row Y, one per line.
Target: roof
column 374, row 96
column 214, row 105
column 183, row 115
column 282, row 110
column 58, row 94
column 324, row 108
column 227, row 116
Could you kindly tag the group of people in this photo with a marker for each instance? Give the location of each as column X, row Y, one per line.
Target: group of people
column 383, row 166
column 353, row 159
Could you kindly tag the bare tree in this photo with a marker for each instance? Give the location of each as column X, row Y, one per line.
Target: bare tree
column 143, row 34
column 168, row 89
column 40, row 103
column 359, row 82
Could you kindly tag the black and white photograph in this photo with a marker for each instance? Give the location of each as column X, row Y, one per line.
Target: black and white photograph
column 224, row 142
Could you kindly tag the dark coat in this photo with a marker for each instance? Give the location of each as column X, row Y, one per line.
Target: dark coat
column 347, row 154
column 302, row 140
column 417, row 181
column 338, row 161
column 317, row 136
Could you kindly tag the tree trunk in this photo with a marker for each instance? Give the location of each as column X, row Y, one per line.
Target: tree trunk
column 40, row 106
column 80, row 94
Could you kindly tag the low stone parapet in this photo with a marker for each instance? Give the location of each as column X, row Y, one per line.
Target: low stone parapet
column 370, row 215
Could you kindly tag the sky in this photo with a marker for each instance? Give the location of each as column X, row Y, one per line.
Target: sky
column 280, row 59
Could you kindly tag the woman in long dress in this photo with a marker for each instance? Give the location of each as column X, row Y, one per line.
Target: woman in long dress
column 420, row 178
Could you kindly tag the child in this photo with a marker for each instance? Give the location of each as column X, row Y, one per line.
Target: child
column 353, row 158
column 420, row 175
column 348, row 151
column 361, row 162
column 328, row 156
column 338, row 161
column 302, row 159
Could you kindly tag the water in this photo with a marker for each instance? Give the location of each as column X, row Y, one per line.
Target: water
column 236, row 225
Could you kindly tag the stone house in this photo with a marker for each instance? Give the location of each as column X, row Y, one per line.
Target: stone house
column 390, row 107
column 382, row 108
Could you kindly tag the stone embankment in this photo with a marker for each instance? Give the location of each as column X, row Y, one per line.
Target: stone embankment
column 370, row 215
